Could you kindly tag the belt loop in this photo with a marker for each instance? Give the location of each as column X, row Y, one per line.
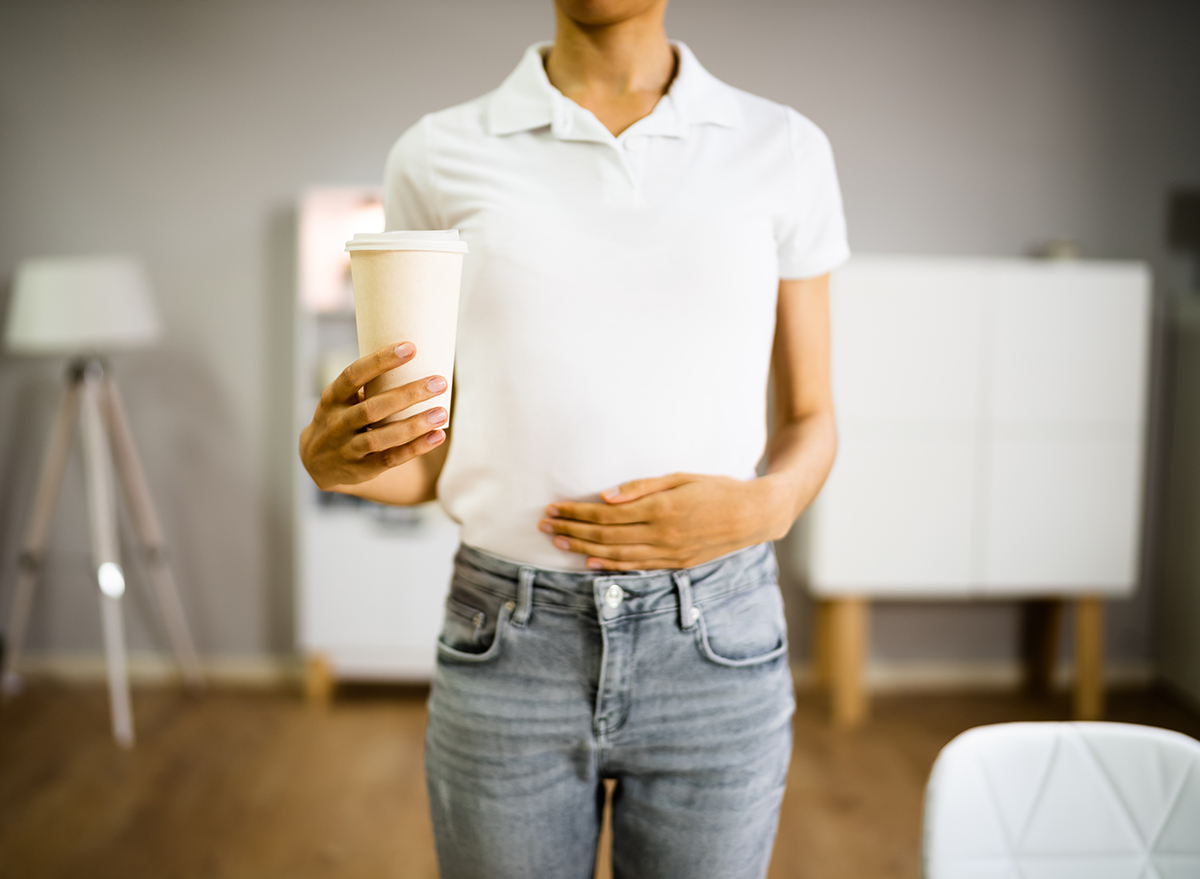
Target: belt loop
column 683, row 584
column 525, row 578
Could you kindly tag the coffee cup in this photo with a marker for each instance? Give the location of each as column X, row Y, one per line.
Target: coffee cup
column 406, row 287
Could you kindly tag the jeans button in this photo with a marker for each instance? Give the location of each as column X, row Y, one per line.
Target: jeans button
column 614, row 595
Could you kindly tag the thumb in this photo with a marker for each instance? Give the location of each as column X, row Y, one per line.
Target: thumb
column 638, row 488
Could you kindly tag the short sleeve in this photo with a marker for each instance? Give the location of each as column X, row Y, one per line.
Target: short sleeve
column 811, row 234
column 408, row 191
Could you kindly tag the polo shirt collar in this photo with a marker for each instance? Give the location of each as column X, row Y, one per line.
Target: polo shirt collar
column 700, row 97
column 526, row 101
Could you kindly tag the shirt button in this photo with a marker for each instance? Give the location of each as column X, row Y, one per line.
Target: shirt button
column 614, row 595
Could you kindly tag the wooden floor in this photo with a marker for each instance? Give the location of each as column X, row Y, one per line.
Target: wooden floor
column 244, row 784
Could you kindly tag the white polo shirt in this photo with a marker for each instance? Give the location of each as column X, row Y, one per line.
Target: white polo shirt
column 618, row 301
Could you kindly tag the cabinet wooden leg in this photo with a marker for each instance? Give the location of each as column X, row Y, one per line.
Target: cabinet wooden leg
column 1089, row 658
column 847, row 651
column 318, row 680
column 1041, row 623
column 822, row 644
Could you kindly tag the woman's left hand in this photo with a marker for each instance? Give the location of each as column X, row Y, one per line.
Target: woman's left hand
column 675, row 521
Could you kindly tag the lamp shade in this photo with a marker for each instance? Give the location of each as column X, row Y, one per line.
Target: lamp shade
column 80, row 304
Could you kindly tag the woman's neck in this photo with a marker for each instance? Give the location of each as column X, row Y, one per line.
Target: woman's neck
column 617, row 70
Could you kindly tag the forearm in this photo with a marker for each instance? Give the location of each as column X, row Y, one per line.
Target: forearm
column 804, row 442
column 799, row 457
column 685, row 519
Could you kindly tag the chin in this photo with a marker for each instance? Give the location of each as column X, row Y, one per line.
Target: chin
column 595, row 13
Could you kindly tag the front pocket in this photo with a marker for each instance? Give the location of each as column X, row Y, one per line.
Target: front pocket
column 446, row 651
column 464, row 625
column 746, row 628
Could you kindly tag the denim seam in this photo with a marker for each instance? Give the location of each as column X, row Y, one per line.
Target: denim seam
column 509, row 568
column 701, row 603
column 492, row 652
column 686, row 600
column 708, row 653
column 599, row 727
column 521, row 615
column 626, row 700
column 737, row 587
column 471, row 577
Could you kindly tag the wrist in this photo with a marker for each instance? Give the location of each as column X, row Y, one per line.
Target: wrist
column 776, row 502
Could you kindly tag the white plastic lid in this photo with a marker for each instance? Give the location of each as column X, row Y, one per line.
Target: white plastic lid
column 446, row 241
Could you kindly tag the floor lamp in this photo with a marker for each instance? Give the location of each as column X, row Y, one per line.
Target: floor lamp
column 83, row 307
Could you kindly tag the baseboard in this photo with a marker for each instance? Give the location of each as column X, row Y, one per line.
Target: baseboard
column 151, row 668
column 266, row 671
column 976, row 677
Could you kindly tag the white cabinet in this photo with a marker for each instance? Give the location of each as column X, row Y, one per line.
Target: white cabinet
column 895, row 516
column 371, row 580
column 991, row 417
column 372, row 587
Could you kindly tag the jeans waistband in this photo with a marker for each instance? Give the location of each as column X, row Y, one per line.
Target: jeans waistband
column 641, row 591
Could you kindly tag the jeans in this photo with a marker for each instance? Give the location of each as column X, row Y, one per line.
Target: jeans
column 674, row 683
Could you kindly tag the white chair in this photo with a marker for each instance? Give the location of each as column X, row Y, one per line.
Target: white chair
column 1064, row 801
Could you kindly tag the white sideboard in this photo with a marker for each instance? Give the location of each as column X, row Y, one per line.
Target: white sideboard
column 992, row 420
column 371, row 580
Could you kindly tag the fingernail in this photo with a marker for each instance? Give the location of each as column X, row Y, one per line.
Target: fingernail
column 434, row 437
column 610, row 493
column 437, row 384
column 552, row 511
column 405, row 349
column 562, row 543
column 593, row 563
column 546, row 527
column 436, row 415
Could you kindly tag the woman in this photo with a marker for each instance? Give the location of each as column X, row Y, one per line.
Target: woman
column 646, row 243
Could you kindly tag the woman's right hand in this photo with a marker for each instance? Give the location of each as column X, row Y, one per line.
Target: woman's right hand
column 345, row 444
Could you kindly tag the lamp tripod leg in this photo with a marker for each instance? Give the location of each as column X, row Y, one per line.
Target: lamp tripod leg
column 54, row 464
column 145, row 518
column 118, row 671
column 102, row 515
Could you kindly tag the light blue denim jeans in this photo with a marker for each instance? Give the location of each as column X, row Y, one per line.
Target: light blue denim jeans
column 674, row 683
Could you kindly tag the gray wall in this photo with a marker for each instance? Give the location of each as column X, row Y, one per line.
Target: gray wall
column 183, row 132
column 1179, row 547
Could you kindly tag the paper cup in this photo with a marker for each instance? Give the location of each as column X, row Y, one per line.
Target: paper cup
column 406, row 290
